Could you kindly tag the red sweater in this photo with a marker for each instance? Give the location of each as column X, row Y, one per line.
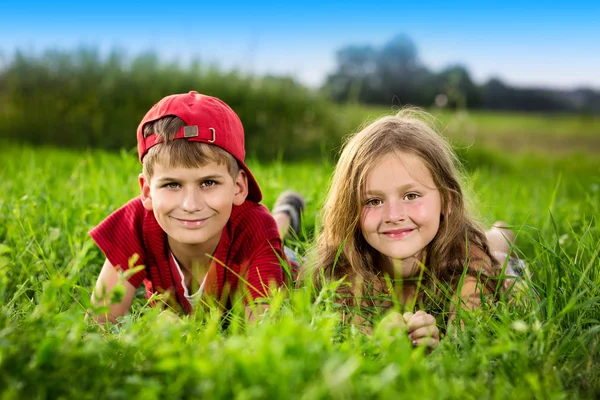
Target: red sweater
column 249, row 247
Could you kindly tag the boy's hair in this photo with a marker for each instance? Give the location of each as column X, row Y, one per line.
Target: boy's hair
column 181, row 153
column 342, row 251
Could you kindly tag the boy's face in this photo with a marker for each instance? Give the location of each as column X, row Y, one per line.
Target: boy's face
column 193, row 205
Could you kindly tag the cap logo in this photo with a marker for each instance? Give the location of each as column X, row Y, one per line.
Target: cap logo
column 190, row 131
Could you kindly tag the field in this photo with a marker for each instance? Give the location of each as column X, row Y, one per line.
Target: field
column 546, row 347
column 557, row 134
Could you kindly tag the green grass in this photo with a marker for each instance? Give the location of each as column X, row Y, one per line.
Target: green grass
column 51, row 198
column 510, row 131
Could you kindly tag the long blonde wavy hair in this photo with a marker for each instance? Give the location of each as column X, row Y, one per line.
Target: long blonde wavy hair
column 342, row 251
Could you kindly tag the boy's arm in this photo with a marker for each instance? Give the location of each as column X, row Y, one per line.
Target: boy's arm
column 101, row 296
column 264, row 274
column 262, row 250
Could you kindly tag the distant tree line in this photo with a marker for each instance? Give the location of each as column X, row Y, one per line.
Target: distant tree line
column 393, row 74
column 82, row 99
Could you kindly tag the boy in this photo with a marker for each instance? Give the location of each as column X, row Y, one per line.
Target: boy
column 198, row 211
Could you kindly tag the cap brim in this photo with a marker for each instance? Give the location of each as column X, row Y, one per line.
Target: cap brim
column 254, row 193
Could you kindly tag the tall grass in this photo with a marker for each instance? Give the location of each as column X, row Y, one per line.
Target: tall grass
column 545, row 348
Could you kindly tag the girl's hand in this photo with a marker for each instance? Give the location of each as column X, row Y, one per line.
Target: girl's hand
column 391, row 325
column 422, row 329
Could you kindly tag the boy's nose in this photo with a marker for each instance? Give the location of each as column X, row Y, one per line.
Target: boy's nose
column 192, row 200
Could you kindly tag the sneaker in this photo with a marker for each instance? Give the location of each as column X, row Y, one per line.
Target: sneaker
column 293, row 204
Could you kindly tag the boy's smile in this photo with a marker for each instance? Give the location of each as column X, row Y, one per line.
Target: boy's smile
column 192, row 205
column 401, row 209
column 192, row 223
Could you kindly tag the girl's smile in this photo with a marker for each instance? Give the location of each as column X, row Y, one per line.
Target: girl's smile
column 398, row 233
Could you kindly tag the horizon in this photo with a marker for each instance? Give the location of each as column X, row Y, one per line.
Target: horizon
column 533, row 45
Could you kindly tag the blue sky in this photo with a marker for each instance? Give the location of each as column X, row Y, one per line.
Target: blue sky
column 525, row 43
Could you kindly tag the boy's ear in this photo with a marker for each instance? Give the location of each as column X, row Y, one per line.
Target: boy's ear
column 145, row 191
column 241, row 188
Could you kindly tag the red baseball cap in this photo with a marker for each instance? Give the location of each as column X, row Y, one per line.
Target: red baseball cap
column 207, row 120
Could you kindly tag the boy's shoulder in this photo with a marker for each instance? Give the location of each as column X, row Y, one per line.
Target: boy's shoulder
column 250, row 227
column 250, row 231
column 250, row 217
column 130, row 214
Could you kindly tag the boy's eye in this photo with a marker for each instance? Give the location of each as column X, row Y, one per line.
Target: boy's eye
column 373, row 202
column 411, row 196
column 209, row 183
column 171, row 185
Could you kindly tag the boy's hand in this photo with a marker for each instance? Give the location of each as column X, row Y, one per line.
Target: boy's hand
column 422, row 329
column 255, row 311
column 108, row 280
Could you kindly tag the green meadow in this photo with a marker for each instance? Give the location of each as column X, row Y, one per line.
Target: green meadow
column 539, row 173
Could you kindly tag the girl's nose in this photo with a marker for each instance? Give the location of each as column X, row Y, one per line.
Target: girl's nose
column 394, row 212
column 192, row 200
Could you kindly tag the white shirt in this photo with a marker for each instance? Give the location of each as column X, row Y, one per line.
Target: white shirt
column 192, row 298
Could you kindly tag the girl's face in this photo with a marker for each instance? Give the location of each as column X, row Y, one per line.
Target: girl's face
column 400, row 213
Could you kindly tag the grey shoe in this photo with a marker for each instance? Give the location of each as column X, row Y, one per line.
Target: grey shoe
column 293, row 204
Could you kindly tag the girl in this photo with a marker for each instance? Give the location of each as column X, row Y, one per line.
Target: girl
column 395, row 226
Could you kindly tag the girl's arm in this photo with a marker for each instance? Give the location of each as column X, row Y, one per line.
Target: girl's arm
column 102, row 295
column 471, row 290
column 470, row 294
column 469, row 298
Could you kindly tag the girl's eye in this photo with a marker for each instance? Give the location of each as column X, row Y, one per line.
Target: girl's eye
column 411, row 196
column 373, row 202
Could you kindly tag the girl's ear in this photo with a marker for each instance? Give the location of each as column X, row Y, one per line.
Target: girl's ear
column 241, row 188
column 145, row 192
column 447, row 206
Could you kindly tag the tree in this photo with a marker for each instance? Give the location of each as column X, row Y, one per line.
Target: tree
column 455, row 82
column 383, row 75
column 499, row 96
